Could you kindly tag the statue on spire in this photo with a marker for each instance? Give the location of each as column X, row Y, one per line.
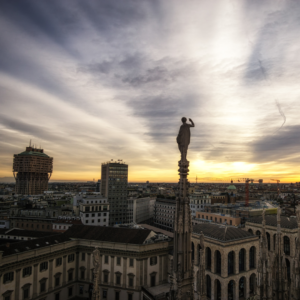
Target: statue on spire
column 183, row 138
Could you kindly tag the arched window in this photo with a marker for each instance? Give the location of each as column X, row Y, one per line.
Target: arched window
column 286, row 245
column 208, row 286
column 258, row 233
column 198, row 253
column 231, row 288
column 242, row 284
column 288, row 268
column 193, row 251
column 252, row 284
column 252, row 258
column 208, row 258
column 230, row 262
column 242, row 256
column 250, row 230
column 218, row 261
column 218, row 289
column 274, row 240
column 268, row 238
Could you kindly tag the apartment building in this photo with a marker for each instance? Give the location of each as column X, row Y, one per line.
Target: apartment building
column 94, row 210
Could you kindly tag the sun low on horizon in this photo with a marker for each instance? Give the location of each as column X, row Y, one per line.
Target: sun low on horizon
column 99, row 80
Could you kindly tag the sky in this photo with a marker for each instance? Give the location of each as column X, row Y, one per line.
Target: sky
column 90, row 81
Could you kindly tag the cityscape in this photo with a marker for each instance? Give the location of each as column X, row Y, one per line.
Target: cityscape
column 149, row 150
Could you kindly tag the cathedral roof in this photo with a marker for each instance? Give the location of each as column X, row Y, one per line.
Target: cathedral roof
column 221, row 232
column 271, row 220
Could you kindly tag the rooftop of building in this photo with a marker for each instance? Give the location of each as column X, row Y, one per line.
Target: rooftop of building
column 15, row 248
column 231, row 187
column 33, row 152
column 109, row 234
column 271, row 220
column 222, row 232
column 26, row 233
column 68, row 221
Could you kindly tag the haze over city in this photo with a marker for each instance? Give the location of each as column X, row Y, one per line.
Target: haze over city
column 91, row 81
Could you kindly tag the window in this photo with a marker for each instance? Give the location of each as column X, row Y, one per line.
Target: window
column 71, row 257
column 286, row 245
column 70, row 276
column 129, row 297
column 70, row 293
column 57, row 280
column 86, row 221
column 83, row 256
column 42, row 286
column 82, row 273
column 81, row 290
column 153, row 280
column 44, row 266
column 118, row 279
column 57, row 296
column 106, row 259
column 105, row 279
column 119, row 261
column 26, row 293
column 59, row 261
column 117, row 296
column 153, row 260
column 104, row 294
column 131, row 262
column 8, row 277
column 27, row 271
column 130, row 283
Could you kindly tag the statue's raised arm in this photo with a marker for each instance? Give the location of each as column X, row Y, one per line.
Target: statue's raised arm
column 183, row 138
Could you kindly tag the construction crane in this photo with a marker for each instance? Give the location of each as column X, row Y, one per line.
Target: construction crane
column 247, row 180
column 278, row 189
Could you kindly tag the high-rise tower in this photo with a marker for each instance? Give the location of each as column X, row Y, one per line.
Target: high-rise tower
column 32, row 170
column 114, row 180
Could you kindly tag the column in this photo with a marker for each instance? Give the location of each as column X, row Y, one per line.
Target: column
column 50, row 274
column 212, row 261
column 145, row 272
column 64, row 281
column 17, row 285
column 100, row 269
column 160, row 270
column 272, row 241
column 137, row 266
column 224, row 270
column 88, row 268
column 141, row 274
column 165, row 268
column 247, row 258
column 77, row 265
column 224, row 291
column 124, row 271
column 247, row 287
column 236, row 290
column 212, row 288
column 112, row 270
column 35, row 280
column 236, row 262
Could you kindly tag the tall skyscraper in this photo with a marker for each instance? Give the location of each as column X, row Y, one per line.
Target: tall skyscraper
column 32, row 170
column 114, row 181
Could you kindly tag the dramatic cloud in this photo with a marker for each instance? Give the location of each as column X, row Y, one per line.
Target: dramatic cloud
column 101, row 79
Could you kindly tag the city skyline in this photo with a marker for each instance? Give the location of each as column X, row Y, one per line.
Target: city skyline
column 111, row 80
